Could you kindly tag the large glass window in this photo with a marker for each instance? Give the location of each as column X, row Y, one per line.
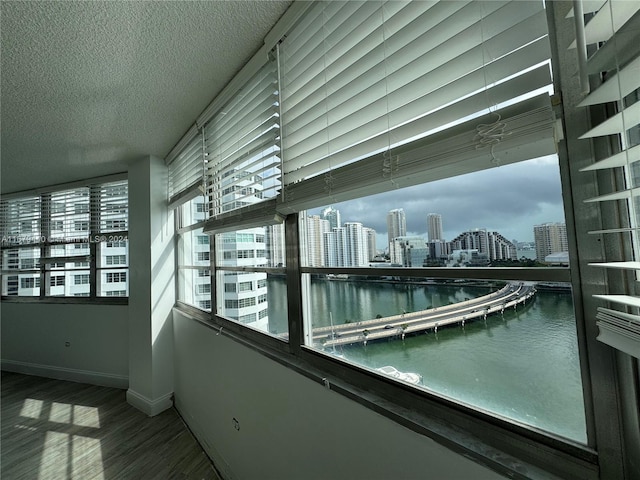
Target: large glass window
column 416, row 149
column 59, row 237
column 194, row 278
column 250, row 283
column 471, row 337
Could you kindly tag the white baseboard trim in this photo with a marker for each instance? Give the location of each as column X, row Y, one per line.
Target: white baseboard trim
column 63, row 373
column 150, row 406
column 221, row 466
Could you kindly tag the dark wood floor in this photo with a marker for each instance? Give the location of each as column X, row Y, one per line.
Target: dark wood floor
column 53, row 429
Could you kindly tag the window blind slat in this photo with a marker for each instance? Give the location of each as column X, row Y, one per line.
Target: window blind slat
column 295, row 172
column 616, row 87
column 588, row 6
column 247, row 107
column 390, row 79
column 614, row 230
column 619, row 195
column 247, row 141
column 113, row 207
column 626, row 157
column 260, row 151
column 242, row 148
column 620, row 52
column 20, row 221
column 186, row 169
column 412, row 75
column 445, row 154
column 619, row 123
column 627, row 300
column 390, row 52
column 616, row 24
column 609, row 19
column 617, row 265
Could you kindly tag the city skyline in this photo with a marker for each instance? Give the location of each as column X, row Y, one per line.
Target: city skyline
column 511, row 199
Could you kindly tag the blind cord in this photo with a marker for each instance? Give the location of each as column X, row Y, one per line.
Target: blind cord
column 490, row 135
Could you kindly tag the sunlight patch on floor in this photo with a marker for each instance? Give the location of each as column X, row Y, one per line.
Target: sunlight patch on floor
column 31, row 408
column 84, row 416
column 55, row 454
column 60, row 413
column 66, row 455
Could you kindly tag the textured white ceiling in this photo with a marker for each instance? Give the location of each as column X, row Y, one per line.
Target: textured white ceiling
column 89, row 86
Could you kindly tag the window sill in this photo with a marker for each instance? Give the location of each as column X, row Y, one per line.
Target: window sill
column 69, row 300
column 509, row 448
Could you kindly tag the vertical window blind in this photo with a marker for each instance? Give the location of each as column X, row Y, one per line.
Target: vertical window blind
column 612, row 26
column 360, row 79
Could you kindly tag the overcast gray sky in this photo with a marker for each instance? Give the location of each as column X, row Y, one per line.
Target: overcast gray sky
column 510, row 200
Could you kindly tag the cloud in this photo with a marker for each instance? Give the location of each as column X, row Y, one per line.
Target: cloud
column 510, row 199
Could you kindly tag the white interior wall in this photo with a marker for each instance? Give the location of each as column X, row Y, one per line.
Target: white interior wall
column 34, row 337
column 289, row 426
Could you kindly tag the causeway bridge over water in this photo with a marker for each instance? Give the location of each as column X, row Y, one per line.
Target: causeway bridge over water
column 510, row 296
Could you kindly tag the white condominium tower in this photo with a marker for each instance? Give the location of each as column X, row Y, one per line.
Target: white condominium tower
column 244, row 295
column 316, row 228
column 550, row 238
column 434, row 227
column 356, row 242
column 396, row 224
column 346, row 246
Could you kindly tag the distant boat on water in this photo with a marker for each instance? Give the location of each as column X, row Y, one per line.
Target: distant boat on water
column 409, row 377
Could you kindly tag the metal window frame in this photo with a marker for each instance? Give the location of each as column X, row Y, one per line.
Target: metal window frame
column 611, row 380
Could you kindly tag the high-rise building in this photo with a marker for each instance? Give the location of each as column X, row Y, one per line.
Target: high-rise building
column 356, row 242
column 275, row 244
column 316, row 228
column 332, row 216
column 370, row 235
column 434, row 227
column 244, row 297
column 346, row 246
column 438, row 252
column 409, row 251
column 396, row 224
column 335, row 248
column 195, row 248
column 491, row 244
column 550, row 238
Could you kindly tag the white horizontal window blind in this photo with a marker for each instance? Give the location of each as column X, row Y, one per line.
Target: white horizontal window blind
column 362, row 78
column 186, row 169
column 20, row 221
column 110, row 211
column 611, row 29
column 70, row 214
column 52, row 237
column 242, row 151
